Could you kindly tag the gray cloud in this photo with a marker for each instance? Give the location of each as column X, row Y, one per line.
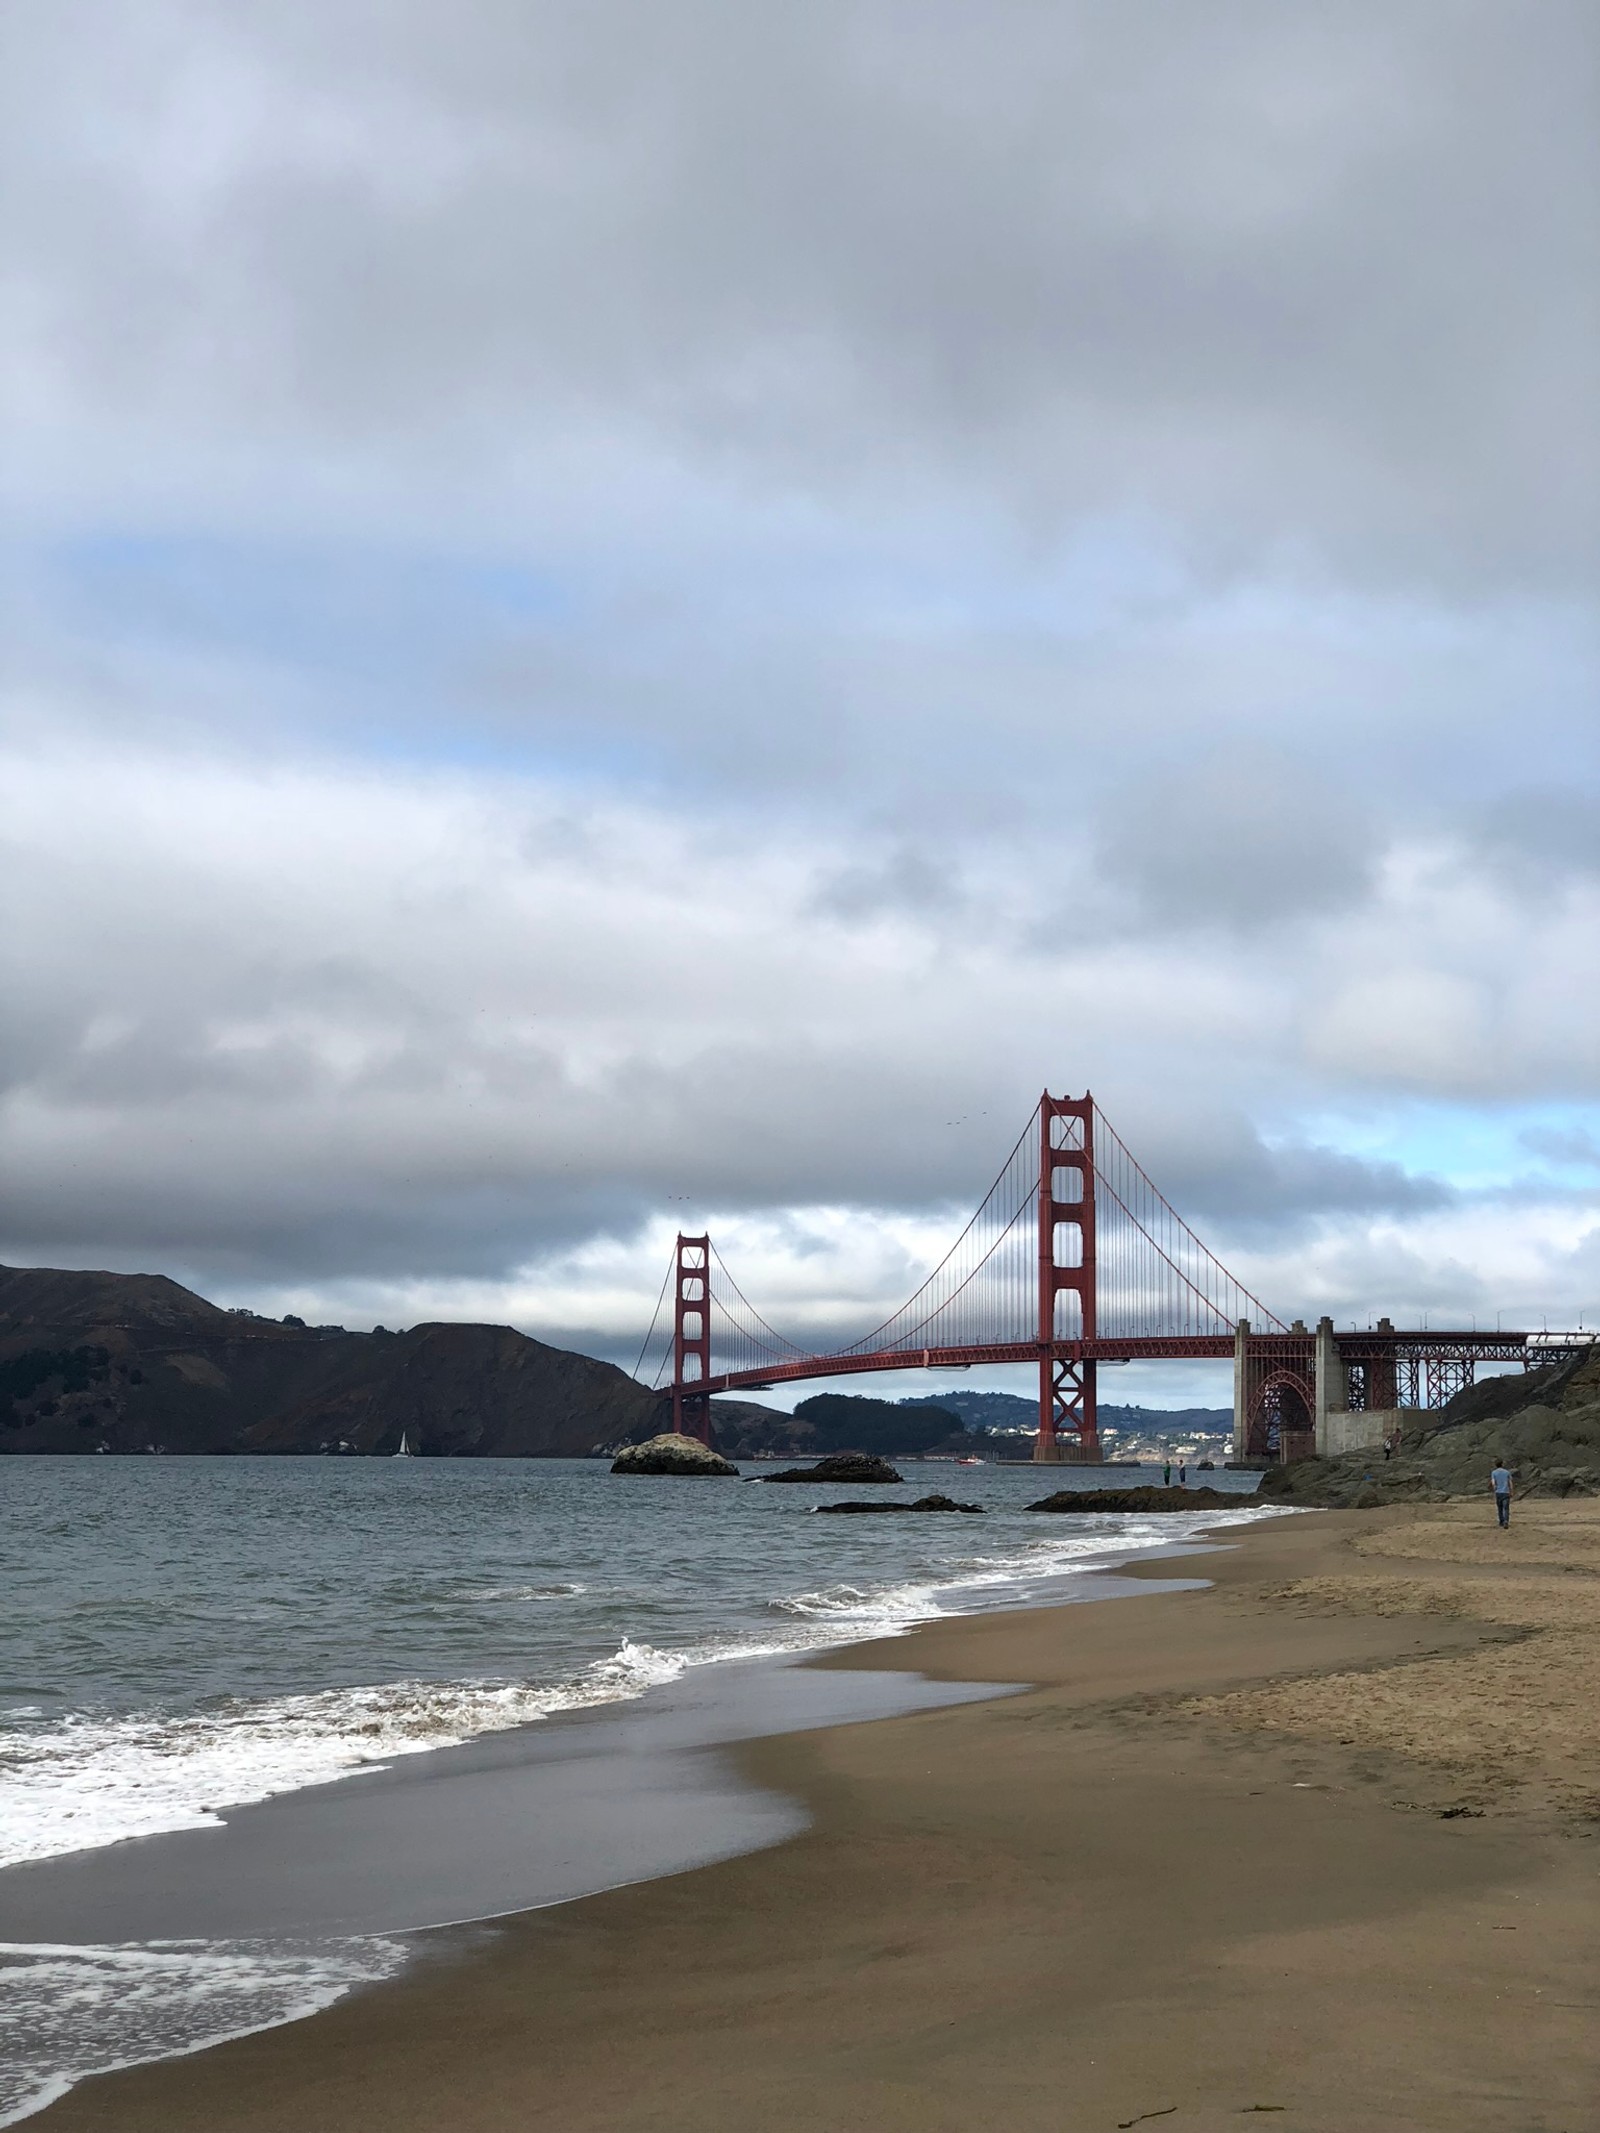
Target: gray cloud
column 1283, row 276
column 1233, row 841
column 1538, row 839
column 904, row 879
column 629, row 612
column 1256, row 1193
column 1570, row 1146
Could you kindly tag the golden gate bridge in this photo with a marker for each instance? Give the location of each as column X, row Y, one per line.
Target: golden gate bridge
column 1075, row 1258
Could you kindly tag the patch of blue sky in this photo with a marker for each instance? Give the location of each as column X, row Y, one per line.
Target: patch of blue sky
column 388, row 652
column 373, row 612
column 1469, row 1147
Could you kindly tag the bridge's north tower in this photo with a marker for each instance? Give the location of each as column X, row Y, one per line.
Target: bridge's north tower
column 691, row 1338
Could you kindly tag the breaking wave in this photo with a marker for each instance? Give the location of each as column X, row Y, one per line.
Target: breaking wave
column 68, row 2012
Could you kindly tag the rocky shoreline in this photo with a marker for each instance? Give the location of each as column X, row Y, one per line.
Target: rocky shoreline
column 1151, row 1498
column 1545, row 1424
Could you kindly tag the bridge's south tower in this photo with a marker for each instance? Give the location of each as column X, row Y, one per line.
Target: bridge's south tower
column 1068, row 1428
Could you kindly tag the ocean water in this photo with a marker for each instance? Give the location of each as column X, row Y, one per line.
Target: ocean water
column 183, row 1637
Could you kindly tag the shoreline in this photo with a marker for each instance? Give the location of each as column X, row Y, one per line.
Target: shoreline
column 277, row 1909
column 492, row 1654
column 1020, row 1909
column 689, row 1681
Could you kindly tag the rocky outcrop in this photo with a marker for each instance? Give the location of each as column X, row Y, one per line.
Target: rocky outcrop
column 851, row 1468
column 923, row 1503
column 1545, row 1424
column 1144, row 1499
column 672, row 1454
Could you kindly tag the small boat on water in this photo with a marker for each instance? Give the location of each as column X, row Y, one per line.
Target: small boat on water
column 405, row 1451
column 972, row 1462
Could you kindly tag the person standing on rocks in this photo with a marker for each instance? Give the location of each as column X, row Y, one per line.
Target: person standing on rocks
column 1500, row 1482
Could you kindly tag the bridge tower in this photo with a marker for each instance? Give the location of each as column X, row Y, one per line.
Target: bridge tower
column 691, row 1337
column 1066, row 1280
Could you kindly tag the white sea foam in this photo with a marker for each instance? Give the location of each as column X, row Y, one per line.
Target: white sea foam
column 855, row 1611
column 87, row 1781
column 852, row 1612
column 68, row 2012
column 524, row 1592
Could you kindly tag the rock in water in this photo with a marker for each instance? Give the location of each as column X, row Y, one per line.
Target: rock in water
column 923, row 1503
column 672, row 1454
column 1143, row 1499
column 842, row 1466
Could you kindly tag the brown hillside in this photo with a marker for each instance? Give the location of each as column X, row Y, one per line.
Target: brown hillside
column 60, row 1298
column 129, row 1363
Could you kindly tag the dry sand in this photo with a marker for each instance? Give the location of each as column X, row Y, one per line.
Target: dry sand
column 1315, row 1846
column 1516, row 1729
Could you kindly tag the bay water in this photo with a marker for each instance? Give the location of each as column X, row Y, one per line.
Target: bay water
column 182, row 1637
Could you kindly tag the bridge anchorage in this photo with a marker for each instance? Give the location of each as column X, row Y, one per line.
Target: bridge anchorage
column 1075, row 1259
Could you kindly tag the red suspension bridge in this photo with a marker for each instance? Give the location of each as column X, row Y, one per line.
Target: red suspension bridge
column 1075, row 1258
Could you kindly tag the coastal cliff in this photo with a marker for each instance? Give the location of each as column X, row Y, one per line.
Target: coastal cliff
column 132, row 1363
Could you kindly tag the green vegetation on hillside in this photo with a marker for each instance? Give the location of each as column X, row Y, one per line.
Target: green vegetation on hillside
column 841, row 1423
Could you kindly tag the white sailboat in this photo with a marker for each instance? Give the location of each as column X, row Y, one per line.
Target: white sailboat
column 405, row 1451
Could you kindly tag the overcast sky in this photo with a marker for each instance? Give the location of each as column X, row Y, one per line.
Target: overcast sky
column 653, row 614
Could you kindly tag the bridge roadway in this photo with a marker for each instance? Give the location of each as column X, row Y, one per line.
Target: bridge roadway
column 1294, row 1345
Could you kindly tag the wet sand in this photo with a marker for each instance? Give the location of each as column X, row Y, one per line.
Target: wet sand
column 1218, row 1863
column 508, row 1822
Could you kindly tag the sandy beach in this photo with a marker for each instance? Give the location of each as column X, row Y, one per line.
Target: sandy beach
column 1320, row 1843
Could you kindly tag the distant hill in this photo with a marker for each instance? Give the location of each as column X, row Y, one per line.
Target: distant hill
column 938, row 1422
column 841, row 1423
column 63, row 1299
column 1010, row 1410
column 130, row 1362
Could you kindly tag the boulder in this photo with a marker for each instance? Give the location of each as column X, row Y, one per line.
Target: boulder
column 672, row 1454
column 1142, row 1499
column 854, row 1467
column 1566, row 1481
column 923, row 1503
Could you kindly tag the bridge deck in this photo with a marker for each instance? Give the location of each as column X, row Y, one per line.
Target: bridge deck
column 1200, row 1347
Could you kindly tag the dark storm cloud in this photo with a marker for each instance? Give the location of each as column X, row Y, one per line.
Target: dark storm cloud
column 1279, row 1190
column 1237, row 1187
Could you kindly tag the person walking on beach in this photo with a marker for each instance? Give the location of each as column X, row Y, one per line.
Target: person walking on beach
column 1500, row 1482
